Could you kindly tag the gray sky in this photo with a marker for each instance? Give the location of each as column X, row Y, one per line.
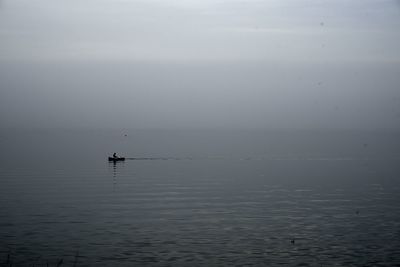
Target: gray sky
column 192, row 63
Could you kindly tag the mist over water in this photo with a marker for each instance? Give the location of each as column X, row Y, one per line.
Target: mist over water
column 200, row 95
column 199, row 64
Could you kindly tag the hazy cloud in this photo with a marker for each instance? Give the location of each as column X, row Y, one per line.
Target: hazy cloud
column 189, row 63
column 197, row 29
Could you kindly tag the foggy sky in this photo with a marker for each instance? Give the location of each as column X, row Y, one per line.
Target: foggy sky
column 192, row 63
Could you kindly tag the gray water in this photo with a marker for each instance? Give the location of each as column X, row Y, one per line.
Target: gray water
column 208, row 198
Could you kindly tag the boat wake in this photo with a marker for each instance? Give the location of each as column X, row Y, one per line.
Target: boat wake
column 160, row 158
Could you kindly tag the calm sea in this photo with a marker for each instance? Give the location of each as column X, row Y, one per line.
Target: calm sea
column 201, row 198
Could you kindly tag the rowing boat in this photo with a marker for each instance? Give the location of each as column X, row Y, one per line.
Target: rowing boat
column 115, row 159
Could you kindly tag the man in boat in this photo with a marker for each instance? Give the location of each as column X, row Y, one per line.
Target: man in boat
column 115, row 156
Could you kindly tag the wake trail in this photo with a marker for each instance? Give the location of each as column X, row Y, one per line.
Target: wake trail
column 160, row 158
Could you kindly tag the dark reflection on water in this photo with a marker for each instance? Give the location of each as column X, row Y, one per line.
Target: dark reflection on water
column 114, row 166
column 259, row 210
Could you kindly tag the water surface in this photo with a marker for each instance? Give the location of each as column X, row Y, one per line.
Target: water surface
column 208, row 198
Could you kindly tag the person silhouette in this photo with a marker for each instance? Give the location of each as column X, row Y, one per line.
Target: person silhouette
column 115, row 155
